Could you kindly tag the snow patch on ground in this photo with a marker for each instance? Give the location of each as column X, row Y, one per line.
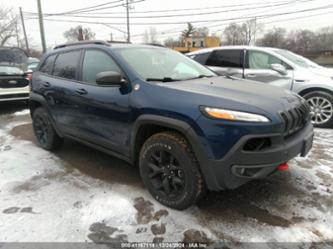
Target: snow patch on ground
column 44, row 199
column 22, row 113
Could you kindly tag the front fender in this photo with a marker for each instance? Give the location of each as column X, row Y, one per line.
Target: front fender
column 192, row 134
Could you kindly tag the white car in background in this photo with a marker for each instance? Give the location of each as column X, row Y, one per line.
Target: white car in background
column 278, row 67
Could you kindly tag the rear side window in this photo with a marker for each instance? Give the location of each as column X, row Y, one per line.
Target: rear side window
column 67, row 64
column 47, row 66
column 201, row 58
column 226, row 58
column 96, row 61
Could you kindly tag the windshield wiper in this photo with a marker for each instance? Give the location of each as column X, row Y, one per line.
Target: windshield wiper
column 201, row 76
column 165, row 79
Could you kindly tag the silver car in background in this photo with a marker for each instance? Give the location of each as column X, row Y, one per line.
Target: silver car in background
column 278, row 67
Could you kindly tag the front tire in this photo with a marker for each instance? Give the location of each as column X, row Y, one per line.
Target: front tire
column 321, row 104
column 170, row 170
column 46, row 135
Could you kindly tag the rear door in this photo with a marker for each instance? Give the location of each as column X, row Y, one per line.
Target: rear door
column 59, row 90
column 227, row 61
column 258, row 68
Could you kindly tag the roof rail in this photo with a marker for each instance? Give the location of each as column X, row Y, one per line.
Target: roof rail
column 97, row 42
column 119, row 42
column 155, row 44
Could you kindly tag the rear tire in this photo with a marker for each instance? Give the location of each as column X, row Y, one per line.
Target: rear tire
column 321, row 104
column 170, row 170
column 46, row 135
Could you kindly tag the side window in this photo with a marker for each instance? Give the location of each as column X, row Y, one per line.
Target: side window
column 47, row 66
column 201, row 58
column 261, row 60
column 67, row 64
column 96, row 61
column 226, row 58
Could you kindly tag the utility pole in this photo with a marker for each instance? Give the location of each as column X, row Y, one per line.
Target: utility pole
column 128, row 21
column 41, row 25
column 24, row 31
column 255, row 31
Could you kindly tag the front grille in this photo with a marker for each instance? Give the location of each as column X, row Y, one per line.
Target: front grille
column 295, row 118
column 13, row 96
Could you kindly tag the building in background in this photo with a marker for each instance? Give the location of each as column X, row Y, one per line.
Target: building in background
column 197, row 42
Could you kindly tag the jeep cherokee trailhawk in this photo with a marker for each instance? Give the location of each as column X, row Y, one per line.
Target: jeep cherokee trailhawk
column 186, row 128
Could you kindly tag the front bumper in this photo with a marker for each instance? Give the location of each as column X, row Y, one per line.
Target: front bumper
column 240, row 166
column 14, row 94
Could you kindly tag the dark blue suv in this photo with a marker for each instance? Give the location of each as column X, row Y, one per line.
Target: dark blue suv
column 186, row 128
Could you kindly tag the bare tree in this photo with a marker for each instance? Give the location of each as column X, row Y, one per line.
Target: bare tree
column 171, row 42
column 325, row 38
column 274, row 38
column 79, row 33
column 150, row 35
column 234, row 34
column 251, row 29
column 8, row 22
column 301, row 41
column 202, row 31
column 242, row 34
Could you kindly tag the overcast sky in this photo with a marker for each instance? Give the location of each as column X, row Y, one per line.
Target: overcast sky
column 263, row 9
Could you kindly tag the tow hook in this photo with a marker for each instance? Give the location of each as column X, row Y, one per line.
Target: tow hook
column 283, row 167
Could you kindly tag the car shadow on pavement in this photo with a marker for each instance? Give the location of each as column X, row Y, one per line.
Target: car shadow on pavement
column 11, row 107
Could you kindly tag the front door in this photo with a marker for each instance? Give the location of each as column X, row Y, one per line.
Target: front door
column 104, row 110
column 258, row 68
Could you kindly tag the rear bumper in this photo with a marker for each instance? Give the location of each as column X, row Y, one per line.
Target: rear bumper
column 14, row 94
column 240, row 166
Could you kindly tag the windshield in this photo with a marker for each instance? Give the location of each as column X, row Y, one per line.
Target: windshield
column 159, row 63
column 297, row 59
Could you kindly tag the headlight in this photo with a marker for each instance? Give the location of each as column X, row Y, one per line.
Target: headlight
column 233, row 115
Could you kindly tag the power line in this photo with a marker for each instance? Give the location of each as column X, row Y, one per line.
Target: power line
column 242, row 19
column 190, row 14
column 86, row 8
column 200, row 21
column 189, row 9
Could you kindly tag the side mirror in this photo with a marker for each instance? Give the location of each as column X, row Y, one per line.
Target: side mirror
column 109, row 78
column 279, row 68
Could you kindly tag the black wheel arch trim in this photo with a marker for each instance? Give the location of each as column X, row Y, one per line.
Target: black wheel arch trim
column 201, row 152
column 34, row 97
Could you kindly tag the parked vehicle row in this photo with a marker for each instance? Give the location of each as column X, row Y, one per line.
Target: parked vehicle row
column 277, row 67
column 186, row 128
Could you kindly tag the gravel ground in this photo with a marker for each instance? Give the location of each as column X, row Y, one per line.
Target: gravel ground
column 78, row 194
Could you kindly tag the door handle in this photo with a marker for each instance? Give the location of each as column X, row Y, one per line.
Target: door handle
column 46, row 84
column 251, row 75
column 81, row 91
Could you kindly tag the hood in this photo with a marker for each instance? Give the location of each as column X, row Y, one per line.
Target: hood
column 323, row 71
column 237, row 94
